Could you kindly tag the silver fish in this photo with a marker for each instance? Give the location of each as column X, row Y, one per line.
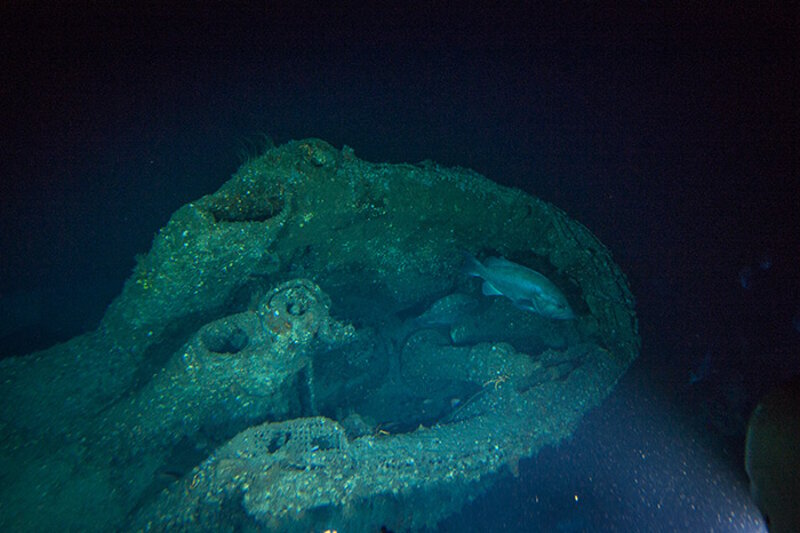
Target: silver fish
column 526, row 288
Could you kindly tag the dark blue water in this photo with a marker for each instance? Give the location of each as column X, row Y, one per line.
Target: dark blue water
column 672, row 136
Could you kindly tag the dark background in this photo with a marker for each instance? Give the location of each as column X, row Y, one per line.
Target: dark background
column 671, row 133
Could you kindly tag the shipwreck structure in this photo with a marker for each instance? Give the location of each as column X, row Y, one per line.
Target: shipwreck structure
column 300, row 351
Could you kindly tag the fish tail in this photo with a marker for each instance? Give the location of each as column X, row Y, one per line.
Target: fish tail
column 471, row 266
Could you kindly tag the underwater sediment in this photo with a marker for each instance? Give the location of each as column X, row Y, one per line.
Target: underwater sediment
column 300, row 350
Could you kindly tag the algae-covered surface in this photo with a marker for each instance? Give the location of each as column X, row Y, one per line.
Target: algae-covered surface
column 301, row 350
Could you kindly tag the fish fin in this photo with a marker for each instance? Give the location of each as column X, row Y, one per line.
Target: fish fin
column 489, row 290
column 527, row 305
